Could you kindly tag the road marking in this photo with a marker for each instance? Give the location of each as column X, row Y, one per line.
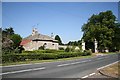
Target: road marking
column 63, row 65
column 85, row 76
column 88, row 75
column 22, row 71
column 91, row 74
column 73, row 63
column 107, row 65
column 85, row 61
column 76, row 63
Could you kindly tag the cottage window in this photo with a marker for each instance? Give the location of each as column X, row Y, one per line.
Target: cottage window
column 45, row 43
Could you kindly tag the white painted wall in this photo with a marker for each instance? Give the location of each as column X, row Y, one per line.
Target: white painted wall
column 34, row 45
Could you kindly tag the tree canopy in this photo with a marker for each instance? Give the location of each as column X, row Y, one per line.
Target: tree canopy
column 74, row 43
column 59, row 39
column 104, row 28
column 10, row 40
column 16, row 40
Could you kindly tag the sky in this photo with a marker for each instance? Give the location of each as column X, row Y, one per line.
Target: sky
column 60, row 18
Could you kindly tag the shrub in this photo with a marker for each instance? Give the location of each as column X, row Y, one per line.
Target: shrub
column 42, row 47
column 86, row 53
column 41, row 56
column 51, row 51
column 49, row 56
column 67, row 49
column 61, row 48
column 67, row 55
column 29, row 51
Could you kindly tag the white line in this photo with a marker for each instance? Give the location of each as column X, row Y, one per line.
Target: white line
column 85, row 76
column 107, row 65
column 22, row 71
column 34, row 63
column 76, row 63
column 73, row 63
column 23, row 64
column 63, row 65
column 85, row 61
column 88, row 75
column 91, row 74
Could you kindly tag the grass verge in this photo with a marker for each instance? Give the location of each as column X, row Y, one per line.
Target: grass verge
column 112, row 71
column 41, row 61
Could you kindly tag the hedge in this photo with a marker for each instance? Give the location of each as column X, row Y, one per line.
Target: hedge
column 41, row 56
column 44, row 51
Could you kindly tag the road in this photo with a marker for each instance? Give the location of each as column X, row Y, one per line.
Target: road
column 61, row 69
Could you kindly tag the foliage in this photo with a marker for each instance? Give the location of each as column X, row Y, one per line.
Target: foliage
column 10, row 40
column 42, row 47
column 116, row 38
column 74, row 43
column 61, row 48
column 100, row 27
column 86, row 53
column 16, row 40
column 44, row 51
column 67, row 49
column 7, row 32
column 19, row 49
column 58, row 39
column 40, row 56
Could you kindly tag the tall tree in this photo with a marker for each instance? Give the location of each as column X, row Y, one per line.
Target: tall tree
column 7, row 32
column 115, row 41
column 10, row 40
column 74, row 43
column 59, row 40
column 16, row 40
column 100, row 27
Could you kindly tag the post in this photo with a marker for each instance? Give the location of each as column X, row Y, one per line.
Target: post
column 95, row 46
column 83, row 45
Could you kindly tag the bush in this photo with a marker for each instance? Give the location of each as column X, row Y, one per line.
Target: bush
column 41, row 56
column 29, row 51
column 42, row 47
column 61, row 48
column 86, row 53
column 67, row 49
column 50, row 51
column 67, row 55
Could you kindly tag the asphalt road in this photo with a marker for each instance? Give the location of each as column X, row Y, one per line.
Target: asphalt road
column 61, row 69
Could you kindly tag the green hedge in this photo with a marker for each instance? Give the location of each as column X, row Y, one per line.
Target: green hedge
column 41, row 56
column 44, row 51
column 86, row 52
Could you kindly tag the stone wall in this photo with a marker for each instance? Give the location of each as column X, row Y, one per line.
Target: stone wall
column 64, row 47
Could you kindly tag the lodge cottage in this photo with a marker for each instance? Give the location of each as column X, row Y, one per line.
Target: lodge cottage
column 36, row 40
